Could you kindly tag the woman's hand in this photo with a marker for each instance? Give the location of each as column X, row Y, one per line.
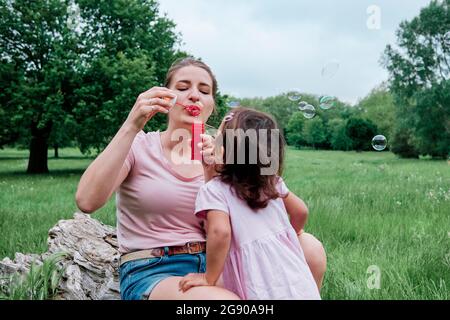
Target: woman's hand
column 193, row 280
column 148, row 103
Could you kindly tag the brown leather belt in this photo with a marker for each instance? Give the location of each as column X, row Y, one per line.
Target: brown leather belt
column 190, row 248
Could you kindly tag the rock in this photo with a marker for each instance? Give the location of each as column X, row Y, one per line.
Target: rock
column 90, row 266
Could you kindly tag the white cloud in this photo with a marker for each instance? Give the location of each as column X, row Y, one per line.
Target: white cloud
column 263, row 47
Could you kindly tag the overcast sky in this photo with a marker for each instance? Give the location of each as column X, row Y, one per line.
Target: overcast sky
column 265, row 47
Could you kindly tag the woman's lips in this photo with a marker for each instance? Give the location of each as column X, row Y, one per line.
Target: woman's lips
column 193, row 110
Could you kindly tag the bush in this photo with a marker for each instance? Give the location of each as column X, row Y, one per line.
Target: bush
column 361, row 133
column 339, row 139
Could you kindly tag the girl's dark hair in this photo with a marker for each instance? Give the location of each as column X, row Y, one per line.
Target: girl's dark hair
column 190, row 61
column 246, row 179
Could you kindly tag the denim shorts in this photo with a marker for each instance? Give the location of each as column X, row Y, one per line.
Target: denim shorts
column 139, row 277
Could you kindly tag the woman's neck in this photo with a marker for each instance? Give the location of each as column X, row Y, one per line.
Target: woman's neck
column 171, row 137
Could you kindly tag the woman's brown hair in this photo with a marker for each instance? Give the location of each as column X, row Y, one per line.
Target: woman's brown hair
column 190, row 61
column 246, row 179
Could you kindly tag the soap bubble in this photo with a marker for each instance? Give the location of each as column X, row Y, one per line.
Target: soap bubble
column 302, row 105
column 233, row 104
column 330, row 69
column 309, row 111
column 379, row 142
column 294, row 95
column 326, row 102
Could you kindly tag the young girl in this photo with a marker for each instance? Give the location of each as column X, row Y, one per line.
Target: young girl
column 250, row 239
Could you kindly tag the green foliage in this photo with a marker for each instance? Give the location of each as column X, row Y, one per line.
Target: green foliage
column 279, row 106
column 419, row 74
column 129, row 49
column 294, row 130
column 40, row 283
column 38, row 54
column 221, row 109
column 339, row 139
column 111, row 86
column 379, row 107
column 328, row 128
column 403, row 142
column 361, row 132
column 72, row 69
column 315, row 132
column 433, row 121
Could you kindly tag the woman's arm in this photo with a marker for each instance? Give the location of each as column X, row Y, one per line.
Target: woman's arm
column 108, row 171
column 105, row 173
column 297, row 210
column 218, row 242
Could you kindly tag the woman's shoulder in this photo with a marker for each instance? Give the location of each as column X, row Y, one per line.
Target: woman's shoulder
column 146, row 137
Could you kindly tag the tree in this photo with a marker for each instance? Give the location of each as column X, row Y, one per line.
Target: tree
column 339, row 139
column 315, row 133
column 361, row 132
column 128, row 49
column 433, row 120
column 294, row 130
column 378, row 106
column 419, row 73
column 76, row 82
column 403, row 142
column 221, row 109
column 37, row 56
column 280, row 107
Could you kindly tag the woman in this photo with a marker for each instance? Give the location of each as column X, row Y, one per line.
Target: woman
column 159, row 237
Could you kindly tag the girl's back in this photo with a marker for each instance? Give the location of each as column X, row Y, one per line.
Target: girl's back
column 265, row 260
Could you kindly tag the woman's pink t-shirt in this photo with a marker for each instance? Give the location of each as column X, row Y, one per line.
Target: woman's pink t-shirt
column 155, row 204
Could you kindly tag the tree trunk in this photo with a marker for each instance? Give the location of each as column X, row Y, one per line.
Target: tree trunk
column 91, row 263
column 37, row 163
column 56, row 151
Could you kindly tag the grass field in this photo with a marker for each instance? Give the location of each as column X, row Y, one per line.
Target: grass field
column 372, row 211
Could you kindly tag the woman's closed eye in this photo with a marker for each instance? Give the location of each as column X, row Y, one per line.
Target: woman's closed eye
column 202, row 91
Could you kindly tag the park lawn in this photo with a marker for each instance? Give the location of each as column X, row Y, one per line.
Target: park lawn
column 372, row 211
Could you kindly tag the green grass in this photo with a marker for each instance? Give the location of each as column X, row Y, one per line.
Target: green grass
column 368, row 209
column 40, row 283
column 31, row 204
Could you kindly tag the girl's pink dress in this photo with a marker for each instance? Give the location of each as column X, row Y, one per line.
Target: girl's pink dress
column 265, row 260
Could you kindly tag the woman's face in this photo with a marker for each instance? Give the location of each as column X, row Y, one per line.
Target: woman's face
column 193, row 86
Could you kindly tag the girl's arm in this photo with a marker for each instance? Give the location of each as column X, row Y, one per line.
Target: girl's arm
column 218, row 242
column 217, row 245
column 297, row 210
